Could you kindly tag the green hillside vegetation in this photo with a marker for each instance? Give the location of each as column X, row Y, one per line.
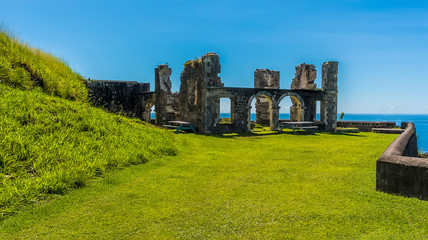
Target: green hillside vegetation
column 28, row 68
column 48, row 144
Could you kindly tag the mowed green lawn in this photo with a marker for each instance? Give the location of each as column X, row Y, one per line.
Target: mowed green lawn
column 265, row 187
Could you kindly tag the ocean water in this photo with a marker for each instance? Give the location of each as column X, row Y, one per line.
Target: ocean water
column 420, row 121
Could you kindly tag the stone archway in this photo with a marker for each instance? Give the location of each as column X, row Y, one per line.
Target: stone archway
column 148, row 104
column 297, row 110
column 266, row 109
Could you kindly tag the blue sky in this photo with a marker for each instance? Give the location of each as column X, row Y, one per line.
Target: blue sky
column 381, row 46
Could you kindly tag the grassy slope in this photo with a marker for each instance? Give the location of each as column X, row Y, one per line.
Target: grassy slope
column 29, row 68
column 304, row 187
column 50, row 144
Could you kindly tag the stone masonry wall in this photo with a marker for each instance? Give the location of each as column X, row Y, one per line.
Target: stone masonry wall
column 166, row 103
column 119, row 96
column 265, row 79
column 198, row 76
column 400, row 171
column 190, row 87
column 305, row 77
column 365, row 126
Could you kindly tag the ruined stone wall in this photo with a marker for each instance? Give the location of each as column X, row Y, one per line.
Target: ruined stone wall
column 191, row 80
column 265, row 79
column 400, row 171
column 166, row 103
column 304, row 77
column 365, row 126
column 198, row 76
column 119, row 96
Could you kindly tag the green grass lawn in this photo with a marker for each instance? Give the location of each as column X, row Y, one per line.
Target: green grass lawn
column 50, row 145
column 276, row 186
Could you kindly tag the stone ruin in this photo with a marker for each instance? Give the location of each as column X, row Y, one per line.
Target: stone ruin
column 201, row 91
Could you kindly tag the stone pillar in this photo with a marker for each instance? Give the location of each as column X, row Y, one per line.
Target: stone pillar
column 165, row 107
column 266, row 79
column 210, row 112
column 329, row 86
column 274, row 118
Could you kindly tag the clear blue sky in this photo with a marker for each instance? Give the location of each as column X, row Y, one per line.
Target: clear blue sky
column 381, row 46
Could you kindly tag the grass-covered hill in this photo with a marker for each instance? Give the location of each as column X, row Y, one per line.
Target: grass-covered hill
column 51, row 139
column 29, row 68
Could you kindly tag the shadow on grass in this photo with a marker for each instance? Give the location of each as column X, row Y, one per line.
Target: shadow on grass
column 345, row 134
column 263, row 133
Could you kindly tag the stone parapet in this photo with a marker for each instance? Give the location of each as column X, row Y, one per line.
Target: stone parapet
column 365, row 126
column 400, row 171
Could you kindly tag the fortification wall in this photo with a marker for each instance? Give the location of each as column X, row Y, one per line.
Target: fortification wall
column 119, row 96
column 365, row 126
column 400, row 171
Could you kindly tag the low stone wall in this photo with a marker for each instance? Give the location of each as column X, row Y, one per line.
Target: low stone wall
column 365, row 126
column 400, row 171
column 119, row 96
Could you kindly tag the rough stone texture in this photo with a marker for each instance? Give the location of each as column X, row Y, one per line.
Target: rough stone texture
column 365, row 126
column 201, row 90
column 329, row 103
column 305, row 77
column 265, row 79
column 388, row 130
column 166, row 103
column 263, row 111
column 191, row 80
column 400, row 171
column 119, row 96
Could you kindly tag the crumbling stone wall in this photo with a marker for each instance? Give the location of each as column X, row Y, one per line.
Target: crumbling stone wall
column 119, row 96
column 166, row 103
column 198, row 76
column 191, row 79
column 304, row 79
column 265, row 79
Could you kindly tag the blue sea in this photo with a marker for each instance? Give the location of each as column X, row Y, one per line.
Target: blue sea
column 420, row 121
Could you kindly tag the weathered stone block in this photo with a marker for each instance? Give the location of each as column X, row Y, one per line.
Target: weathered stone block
column 265, row 78
column 305, row 77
